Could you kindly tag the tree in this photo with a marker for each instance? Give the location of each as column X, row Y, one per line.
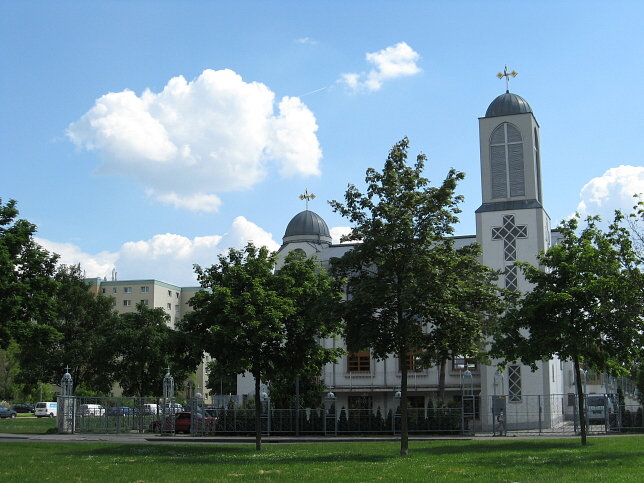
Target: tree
column 315, row 298
column 635, row 222
column 469, row 305
column 26, row 275
column 146, row 346
column 586, row 305
column 78, row 334
column 239, row 319
column 402, row 277
column 268, row 323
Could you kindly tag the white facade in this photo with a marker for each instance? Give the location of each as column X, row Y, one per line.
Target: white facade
column 511, row 225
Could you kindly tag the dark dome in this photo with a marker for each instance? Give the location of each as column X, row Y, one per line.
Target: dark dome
column 307, row 226
column 507, row 104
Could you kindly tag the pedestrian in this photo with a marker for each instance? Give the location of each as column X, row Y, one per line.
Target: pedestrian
column 501, row 419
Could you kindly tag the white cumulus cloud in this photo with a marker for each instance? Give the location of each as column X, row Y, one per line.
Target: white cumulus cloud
column 70, row 254
column 611, row 191
column 167, row 257
column 195, row 139
column 337, row 232
column 390, row 63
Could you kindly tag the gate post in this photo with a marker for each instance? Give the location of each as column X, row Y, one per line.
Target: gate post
column 66, row 404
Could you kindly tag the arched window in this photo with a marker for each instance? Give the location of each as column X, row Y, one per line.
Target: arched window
column 506, row 162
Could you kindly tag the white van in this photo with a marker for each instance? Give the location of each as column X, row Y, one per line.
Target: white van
column 91, row 410
column 150, row 409
column 46, row 410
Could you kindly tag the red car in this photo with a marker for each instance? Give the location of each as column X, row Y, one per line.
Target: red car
column 182, row 423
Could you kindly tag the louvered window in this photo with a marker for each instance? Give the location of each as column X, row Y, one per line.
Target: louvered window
column 506, row 162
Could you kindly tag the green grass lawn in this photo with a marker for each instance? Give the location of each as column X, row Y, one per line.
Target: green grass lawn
column 554, row 460
column 27, row 425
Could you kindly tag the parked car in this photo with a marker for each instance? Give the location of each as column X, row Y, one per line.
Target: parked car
column 23, row 408
column 5, row 412
column 120, row 411
column 174, row 407
column 91, row 410
column 182, row 423
column 211, row 411
column 150, row 409
column 46, row 409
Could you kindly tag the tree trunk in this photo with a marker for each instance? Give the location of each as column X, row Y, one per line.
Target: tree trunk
column 258, row 415
column 404, row 436
column 441, row 380
column 580, row 396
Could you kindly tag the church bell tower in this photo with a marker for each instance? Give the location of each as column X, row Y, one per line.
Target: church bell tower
column 511, row 223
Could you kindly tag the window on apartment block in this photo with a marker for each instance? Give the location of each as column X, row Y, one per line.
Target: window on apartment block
column 145, row 302
column 169, row 293
column 413, row 362
column 115, row 289
column 103, row 290
column 514, row 383
column 359, row 361
column 127, row 289
column 460, row 363
column 169, row 306
column 145, row 289
column 127, row 303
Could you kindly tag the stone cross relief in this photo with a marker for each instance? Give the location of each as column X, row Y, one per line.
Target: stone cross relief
column 509, row 233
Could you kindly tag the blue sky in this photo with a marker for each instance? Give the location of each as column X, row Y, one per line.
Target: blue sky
column 148, row 136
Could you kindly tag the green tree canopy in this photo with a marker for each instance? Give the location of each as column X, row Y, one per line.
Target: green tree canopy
column 405, row 289
column 315, row 298
column 26, row 276
column 145, row 347
column 76, row 334
column 252, row 319
column 239, row 319
column 586, row 305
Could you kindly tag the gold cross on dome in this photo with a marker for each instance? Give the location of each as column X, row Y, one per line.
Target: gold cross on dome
column 507, row 75
column 307, row 196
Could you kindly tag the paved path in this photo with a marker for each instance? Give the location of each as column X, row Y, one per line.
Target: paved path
column 148, row 438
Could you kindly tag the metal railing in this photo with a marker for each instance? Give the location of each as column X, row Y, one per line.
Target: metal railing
column 534, row 414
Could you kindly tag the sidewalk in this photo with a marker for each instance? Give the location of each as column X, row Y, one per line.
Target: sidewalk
column 148, row 438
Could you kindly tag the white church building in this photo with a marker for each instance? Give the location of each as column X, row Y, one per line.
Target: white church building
column 511, row 225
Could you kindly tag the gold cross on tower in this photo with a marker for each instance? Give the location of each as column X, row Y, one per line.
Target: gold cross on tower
column 307, row 196
column 507, row 75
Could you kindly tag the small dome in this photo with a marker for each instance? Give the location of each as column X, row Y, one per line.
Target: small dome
column 307, row 226
column 507, row 104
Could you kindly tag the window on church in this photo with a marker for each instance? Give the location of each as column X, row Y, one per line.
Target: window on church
column 514, row 383
column 359, row 361
column 413, row 362
column 506, row 159
column 460, row 363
